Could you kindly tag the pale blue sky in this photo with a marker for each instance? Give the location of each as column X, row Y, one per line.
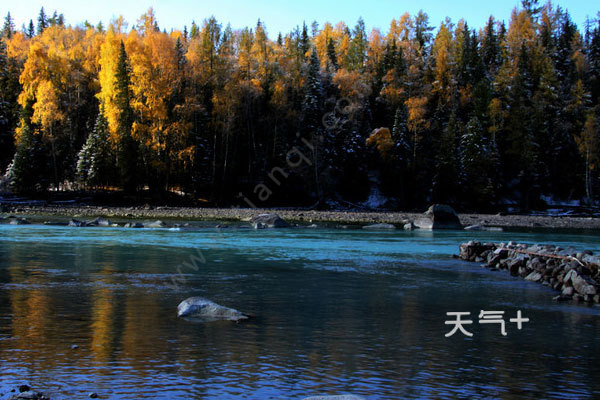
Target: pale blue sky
column 280, row 16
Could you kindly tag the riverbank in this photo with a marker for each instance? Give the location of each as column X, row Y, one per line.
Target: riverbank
column 296, row 215
column 574, row 274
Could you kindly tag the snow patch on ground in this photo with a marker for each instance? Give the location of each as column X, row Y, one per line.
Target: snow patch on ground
column 551, row 201
column 376, row 199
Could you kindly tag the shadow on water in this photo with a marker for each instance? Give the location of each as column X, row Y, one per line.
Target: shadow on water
column 337, row 311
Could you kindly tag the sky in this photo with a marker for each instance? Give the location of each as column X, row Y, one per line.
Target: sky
column 280, row 16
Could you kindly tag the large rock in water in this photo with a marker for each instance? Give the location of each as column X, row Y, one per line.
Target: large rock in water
column 199, row 307
column 268, row 221
column 439, row 216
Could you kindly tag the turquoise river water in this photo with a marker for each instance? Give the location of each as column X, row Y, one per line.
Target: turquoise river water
column 336, row 312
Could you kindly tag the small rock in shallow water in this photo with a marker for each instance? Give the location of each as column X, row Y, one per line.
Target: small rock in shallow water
column 375, row 227
column 99, row 222
column 77, row 223
column 24, row 388
column 155, row 224
column 198, row 307
column 18, row 221
column 133, row 225
column 93, row 395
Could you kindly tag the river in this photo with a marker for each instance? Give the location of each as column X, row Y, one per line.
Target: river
column 335, row 311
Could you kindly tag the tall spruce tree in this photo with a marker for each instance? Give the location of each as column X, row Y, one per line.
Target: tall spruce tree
column 127, row 149
column 9, row 107
column 96, row 160
column 42, row 21
column 30, row 30
column 312, row 126
column 25, row 173
column 9, row 27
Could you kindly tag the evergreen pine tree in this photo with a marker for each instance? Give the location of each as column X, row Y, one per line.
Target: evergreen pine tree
column 30, row 30
column 9, row 27
column 331, row 54
column 475, row 166
column 490, row 48
column 24, row 173
column 401, row 137
column 593, row 55
column 312, row 106
column 9, row 107
column 42, row 21
column 358, row 48
column 126, row 146
column 446, row 177
column 304, row 41
column 95, row 164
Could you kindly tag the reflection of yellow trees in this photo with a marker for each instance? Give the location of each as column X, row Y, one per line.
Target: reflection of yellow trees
column 143, row 335
column 30, row 308
column 103, row 318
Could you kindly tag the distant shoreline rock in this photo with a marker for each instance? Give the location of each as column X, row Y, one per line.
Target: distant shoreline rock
column 439, row 216
column 263, row 221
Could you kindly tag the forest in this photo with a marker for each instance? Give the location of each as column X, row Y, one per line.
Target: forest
column 505, row 115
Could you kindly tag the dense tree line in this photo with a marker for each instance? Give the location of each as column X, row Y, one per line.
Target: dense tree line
column 328, row 114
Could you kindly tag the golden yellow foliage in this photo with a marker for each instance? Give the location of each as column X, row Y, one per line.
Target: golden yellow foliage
column 17, row 47
column 382, row 138
column 109, row 55
column 352, row 84
column 321, row 40
column 417, row 109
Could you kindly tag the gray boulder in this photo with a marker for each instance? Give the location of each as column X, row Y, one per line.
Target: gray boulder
column 201, row 308
column 263, row 221
column 582, row 284
column 439, row 216
column 534, row 276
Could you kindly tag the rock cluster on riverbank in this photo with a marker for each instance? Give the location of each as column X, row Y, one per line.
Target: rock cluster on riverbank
column 575, row 274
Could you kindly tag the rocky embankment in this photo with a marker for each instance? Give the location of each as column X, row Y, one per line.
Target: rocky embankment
column 298, row 215
column 576, row 275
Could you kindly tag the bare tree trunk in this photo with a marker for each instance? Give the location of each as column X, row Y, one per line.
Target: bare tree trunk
column 588, row 180
column 52, row 139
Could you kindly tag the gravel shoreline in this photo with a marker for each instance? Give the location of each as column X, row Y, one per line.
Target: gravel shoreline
column 297, row 215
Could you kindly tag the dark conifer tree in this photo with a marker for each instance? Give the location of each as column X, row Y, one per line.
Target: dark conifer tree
column 127, row 151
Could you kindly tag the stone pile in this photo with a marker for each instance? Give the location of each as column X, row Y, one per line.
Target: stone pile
column 576, row 275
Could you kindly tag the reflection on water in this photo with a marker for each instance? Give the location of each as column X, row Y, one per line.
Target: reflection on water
column 358, row 312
